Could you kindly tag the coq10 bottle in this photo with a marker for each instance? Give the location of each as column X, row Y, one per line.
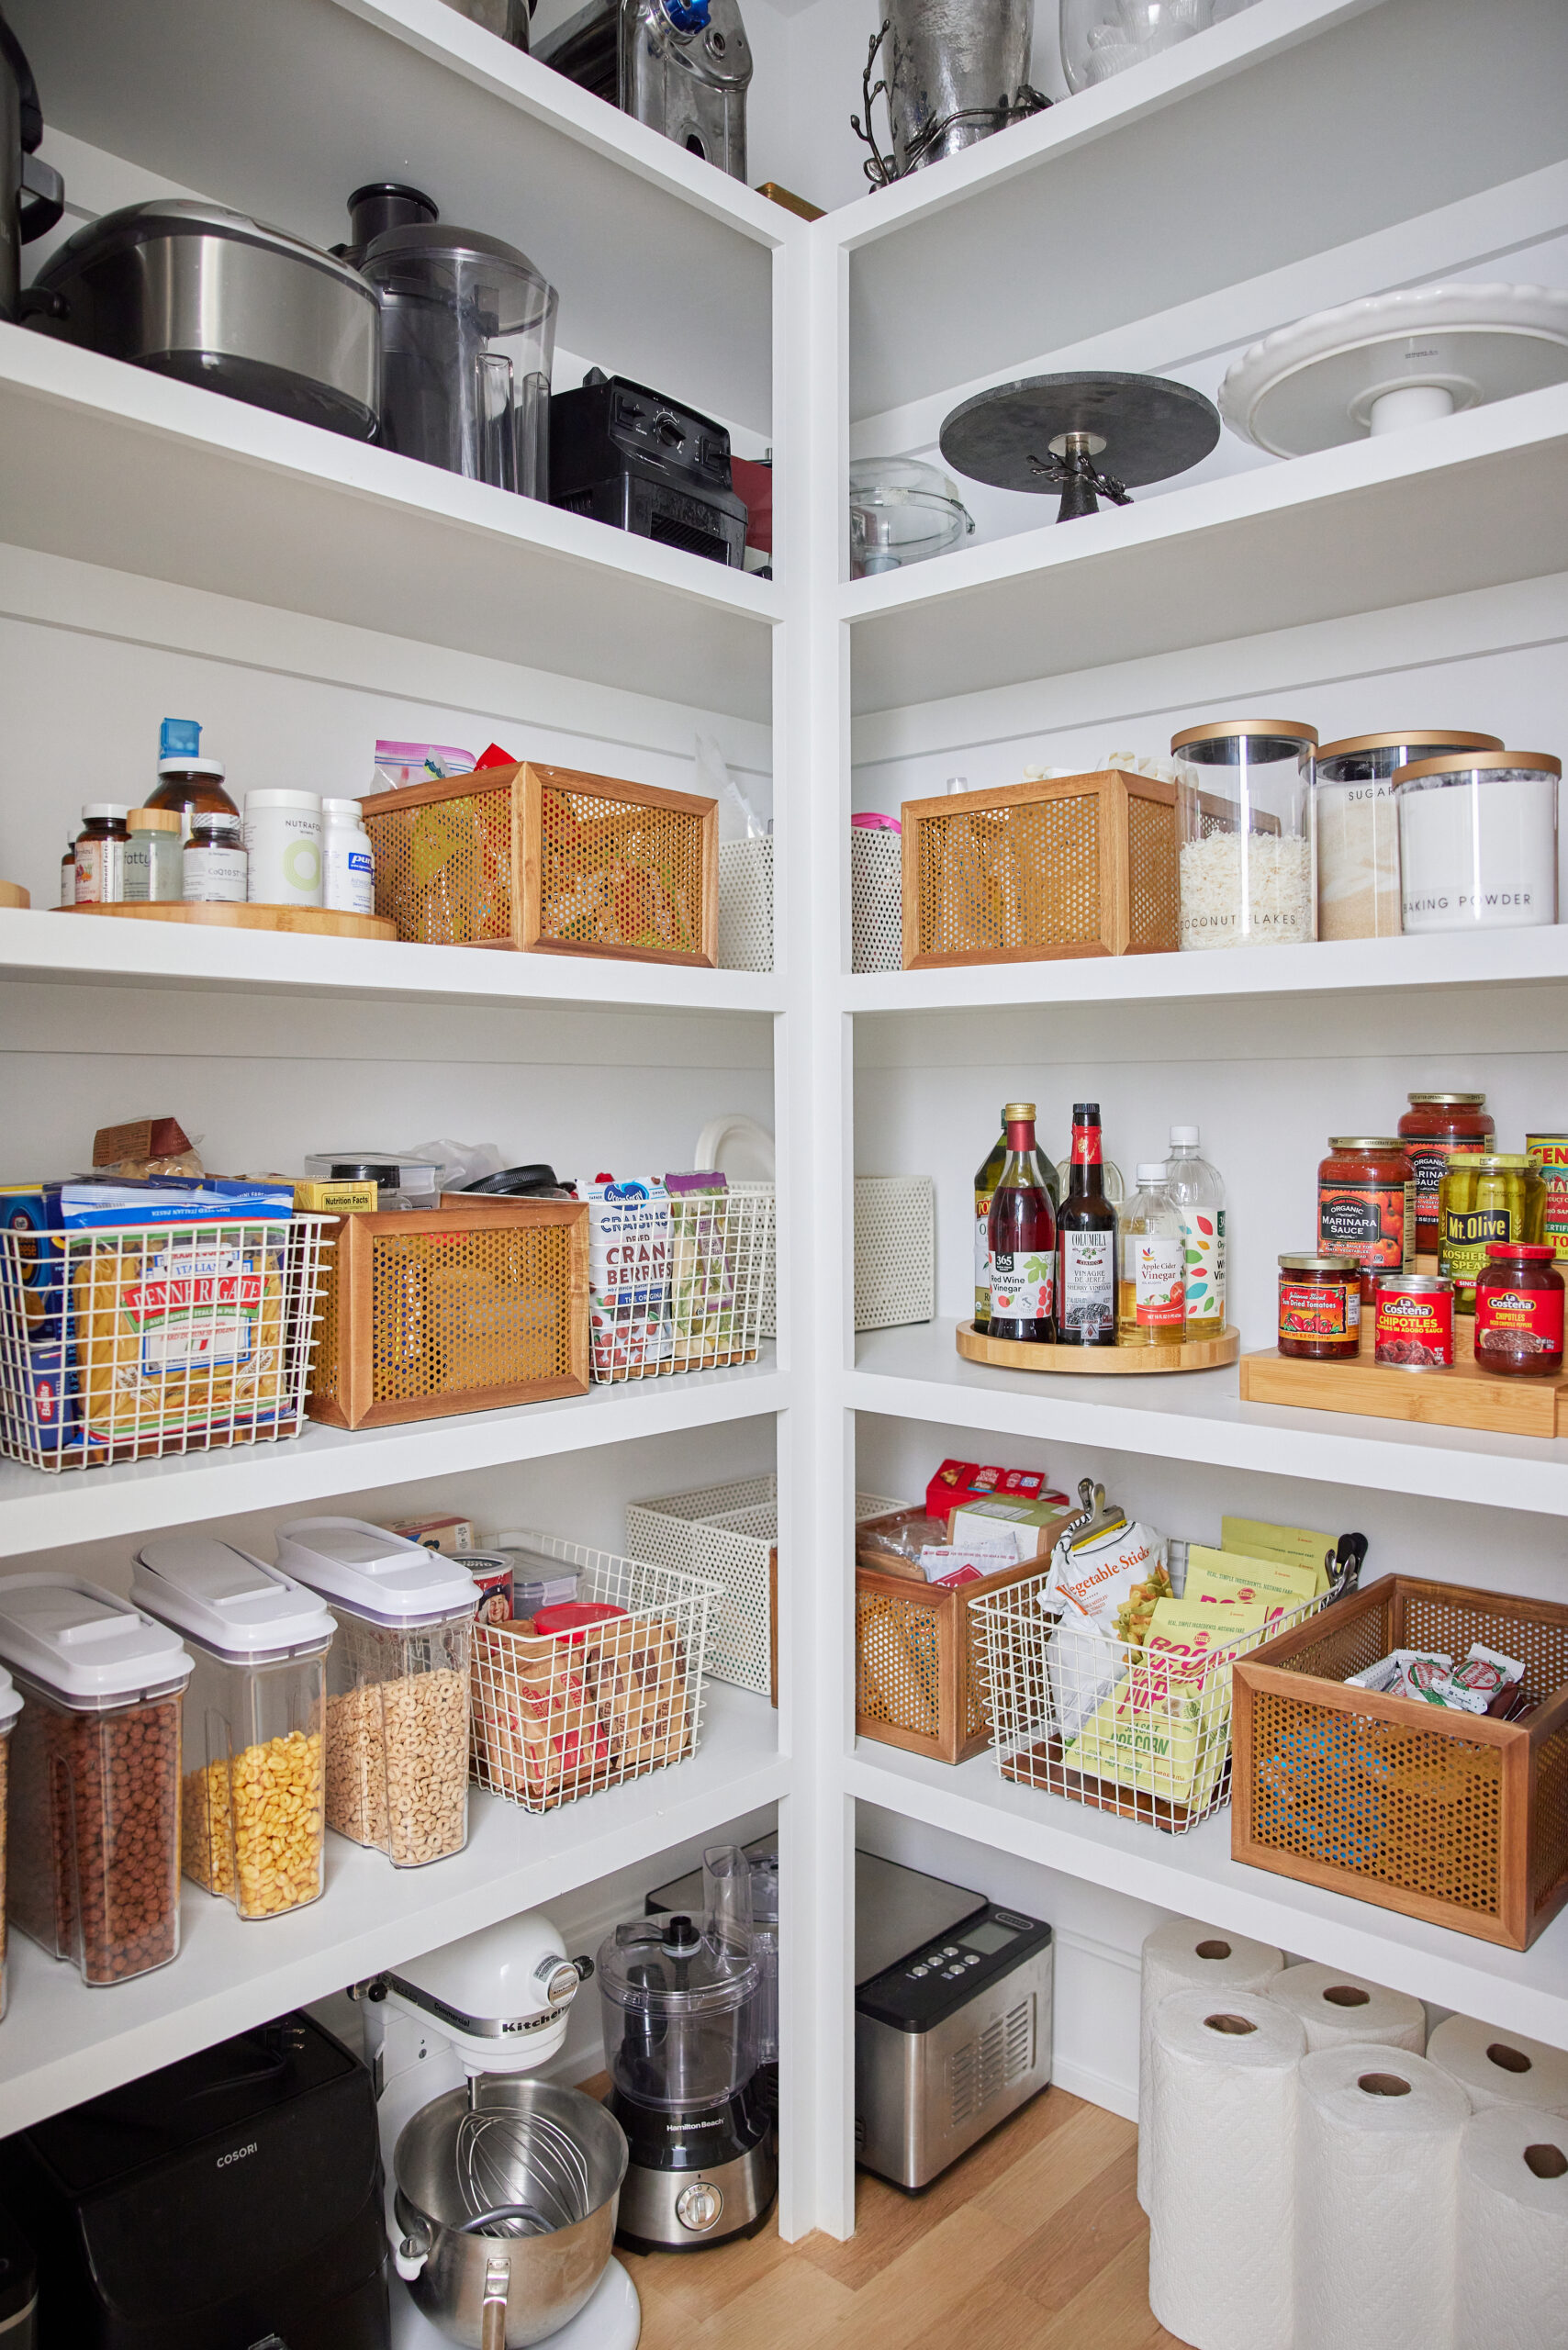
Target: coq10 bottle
column 1023, row 1240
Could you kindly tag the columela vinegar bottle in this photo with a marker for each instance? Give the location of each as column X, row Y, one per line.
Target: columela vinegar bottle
column 1022, row 1240
column 1086, row 1235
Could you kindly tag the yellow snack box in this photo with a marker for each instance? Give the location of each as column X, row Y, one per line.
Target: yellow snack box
column 1165, row 1730
column 336, row 1199
column 1255, row 1538
column 1224, row 1575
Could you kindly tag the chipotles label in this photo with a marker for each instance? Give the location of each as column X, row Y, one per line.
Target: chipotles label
column 1415, row 1329
column 1531, row 1319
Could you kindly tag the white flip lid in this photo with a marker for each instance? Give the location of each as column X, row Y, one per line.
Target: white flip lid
column 10, row 1701
column 373, row 1574
column 1152, row 1171
column 228, row 1601
column 84, row 1643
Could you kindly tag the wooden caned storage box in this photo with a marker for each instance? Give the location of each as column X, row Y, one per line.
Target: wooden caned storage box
column 919, row 1661
column 1034, row 872
column 445, row 1310
column 549, row 861
column 1458, row 1820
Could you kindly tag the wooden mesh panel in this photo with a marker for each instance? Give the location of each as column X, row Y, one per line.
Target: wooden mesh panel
column 1549, row 1845
column 897, row 1672
column 1154, row 887
column 454, row 1314
column 444, row 870
column 1024, row 876
column 613, row 873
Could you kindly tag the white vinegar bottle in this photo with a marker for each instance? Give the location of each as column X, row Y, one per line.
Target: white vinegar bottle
column 1197, row 1194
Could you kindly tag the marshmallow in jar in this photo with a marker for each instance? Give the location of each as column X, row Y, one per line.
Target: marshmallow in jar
column 1478, row 840
column 282, row 844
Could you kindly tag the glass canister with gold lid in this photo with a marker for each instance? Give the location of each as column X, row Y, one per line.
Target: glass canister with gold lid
column 1356, row 825
column 1486, row 1195
column 1246, row 856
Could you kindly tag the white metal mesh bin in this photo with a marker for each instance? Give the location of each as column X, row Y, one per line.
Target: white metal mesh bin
column 745, row 905
column 122, row 1342
column 559, row 1715
column 729, row 1535
column 895, row 1250
column 1134, row 1730
column 876, row 899
column 697, row 1308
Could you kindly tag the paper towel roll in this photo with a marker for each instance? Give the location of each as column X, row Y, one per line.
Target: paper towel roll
column 1338, row 2007
column 1496, row 2068
column 1222, row 2186
column 1181, row 1954
column 1513, row 2231
column 1377, row 2165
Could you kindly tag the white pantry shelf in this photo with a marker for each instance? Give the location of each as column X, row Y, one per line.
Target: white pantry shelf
column 916, row 1373
column 110, row 464
column 41, row 945
column 663, row 262
column 1359, row 967
column 62, row 2042
column 1471, row 501
column 42, row 1511
column 1194, row 1875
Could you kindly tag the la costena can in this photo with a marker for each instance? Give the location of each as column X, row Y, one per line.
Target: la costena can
column 1414, row 1327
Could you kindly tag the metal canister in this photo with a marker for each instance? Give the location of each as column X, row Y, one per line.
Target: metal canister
column 1485, row 1195
column 1550, row 1154
column 1414, row 1329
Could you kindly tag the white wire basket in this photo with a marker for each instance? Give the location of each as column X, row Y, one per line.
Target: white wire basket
column 895, row 1250
column 1124, row 1728
column 693, row 1299
column 560, row 1715
column 729, row 1535
column 876, row 900
column 125, row 1341
column 745, row 905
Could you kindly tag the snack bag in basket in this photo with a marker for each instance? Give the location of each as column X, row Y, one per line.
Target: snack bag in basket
column 1222, row 1575
column 643, row 1695
column 702, row 1280
column 629, row 1265
column 177, row 1336
column 1111, row 1579
column 1165, row 1730
column 536, row 1721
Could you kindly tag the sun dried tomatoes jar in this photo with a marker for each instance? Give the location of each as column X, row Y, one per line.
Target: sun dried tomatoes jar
column 1434, row 1125
column 1366, row 1206
column 1320, row 1307
column 1518, row 1310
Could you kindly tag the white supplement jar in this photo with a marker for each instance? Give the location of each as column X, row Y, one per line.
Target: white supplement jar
column 1478, row 841
column 348, row 861
column 214, row 865
column 282, row 841
column 152, row 873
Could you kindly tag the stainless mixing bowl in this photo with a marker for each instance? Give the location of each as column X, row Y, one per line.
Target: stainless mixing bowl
column 507, row 2195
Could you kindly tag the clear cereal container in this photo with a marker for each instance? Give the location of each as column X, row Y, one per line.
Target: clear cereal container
column 396, row 1684
column 252, row 1825
column 1247, row 853
column 94, row 1813
column 10, row 1706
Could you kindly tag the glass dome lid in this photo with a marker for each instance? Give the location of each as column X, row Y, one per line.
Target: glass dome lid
column 902, row 510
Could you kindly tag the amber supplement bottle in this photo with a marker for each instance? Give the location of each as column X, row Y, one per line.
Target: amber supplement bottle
column 100, row 855
column 188, row 784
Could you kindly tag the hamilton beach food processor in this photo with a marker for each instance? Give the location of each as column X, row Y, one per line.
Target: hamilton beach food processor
column 501, row 2192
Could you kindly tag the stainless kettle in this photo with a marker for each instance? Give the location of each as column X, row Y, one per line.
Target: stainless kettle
column 31, row 195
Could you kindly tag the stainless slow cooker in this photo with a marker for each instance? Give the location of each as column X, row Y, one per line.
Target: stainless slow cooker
column 193, row 290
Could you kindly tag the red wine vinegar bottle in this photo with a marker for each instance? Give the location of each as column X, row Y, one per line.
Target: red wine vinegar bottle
column 1023, row 1240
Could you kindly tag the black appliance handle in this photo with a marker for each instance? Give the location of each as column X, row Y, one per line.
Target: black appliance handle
column 28, row 107
column 42, row 200
column 37, row 302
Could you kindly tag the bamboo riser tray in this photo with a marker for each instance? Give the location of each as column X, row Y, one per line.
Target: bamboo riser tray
column 1013, row 1354
column 1461, row 1398
column 316, row 922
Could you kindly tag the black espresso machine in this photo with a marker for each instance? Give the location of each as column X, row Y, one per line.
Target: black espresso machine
column 233, row 2199
column 629, row 457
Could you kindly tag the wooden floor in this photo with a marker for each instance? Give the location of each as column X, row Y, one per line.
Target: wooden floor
column 1034, row 2242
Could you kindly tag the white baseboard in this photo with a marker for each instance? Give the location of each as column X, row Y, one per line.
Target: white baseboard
column 1096, row 2089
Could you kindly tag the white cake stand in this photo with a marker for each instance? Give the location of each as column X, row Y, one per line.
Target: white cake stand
column 1393, row 360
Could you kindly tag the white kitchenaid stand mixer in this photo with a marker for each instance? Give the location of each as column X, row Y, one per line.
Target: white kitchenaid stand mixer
column 495, row 2002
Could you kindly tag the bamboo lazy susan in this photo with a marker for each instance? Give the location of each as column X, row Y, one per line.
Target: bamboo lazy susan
column 1015, row 1354
column 315, row 921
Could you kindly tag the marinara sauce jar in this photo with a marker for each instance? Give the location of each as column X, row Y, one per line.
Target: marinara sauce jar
column 1435, row 1124
column 1320, row 1307
column 1518, row 1310
column 1366, row 1206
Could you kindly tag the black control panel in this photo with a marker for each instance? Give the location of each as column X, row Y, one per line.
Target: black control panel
column 932, row 1983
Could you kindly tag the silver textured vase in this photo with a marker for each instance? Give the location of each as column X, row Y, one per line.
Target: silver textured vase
column 958, row 70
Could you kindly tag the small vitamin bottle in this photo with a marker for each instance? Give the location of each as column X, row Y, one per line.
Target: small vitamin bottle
column 100, row 855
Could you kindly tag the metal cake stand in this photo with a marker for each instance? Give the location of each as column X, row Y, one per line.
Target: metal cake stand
column 1046, row 434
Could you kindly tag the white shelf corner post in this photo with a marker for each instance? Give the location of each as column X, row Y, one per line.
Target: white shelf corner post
column 815, row 1271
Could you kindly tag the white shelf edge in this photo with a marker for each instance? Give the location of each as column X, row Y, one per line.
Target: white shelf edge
column 39, row 1511
column 1194, row 1875
column 1259, row 32
column 1177, row 1421
column 41, row 367
column 1531, row 420
column 35, row 947
column 64, row 2042
column 1492, row 959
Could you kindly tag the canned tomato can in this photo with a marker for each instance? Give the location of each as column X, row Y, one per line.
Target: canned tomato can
column 1414, row 1325
column 1320, row 1307
column 1550, row 1154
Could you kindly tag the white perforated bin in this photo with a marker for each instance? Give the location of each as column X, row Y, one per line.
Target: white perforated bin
column 745, row 905
column 728, row 1534
column 876, row 899
column 895, row 1250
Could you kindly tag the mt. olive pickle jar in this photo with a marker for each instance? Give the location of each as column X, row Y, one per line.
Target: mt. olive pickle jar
column 1320, row 1307
column 1486, row 1195
column 1434, row 1125
column 1518, row 1310
column 1366, row 1206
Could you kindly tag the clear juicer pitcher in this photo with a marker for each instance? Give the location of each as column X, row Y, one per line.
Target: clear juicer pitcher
column 469, row 343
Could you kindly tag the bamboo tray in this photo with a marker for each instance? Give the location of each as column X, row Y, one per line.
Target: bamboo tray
column 317, row 922
column 1014, row 1354
column 1464, row 1397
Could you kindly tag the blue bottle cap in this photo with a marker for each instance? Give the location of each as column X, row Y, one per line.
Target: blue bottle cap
column 689, row 15
column 181, row 738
